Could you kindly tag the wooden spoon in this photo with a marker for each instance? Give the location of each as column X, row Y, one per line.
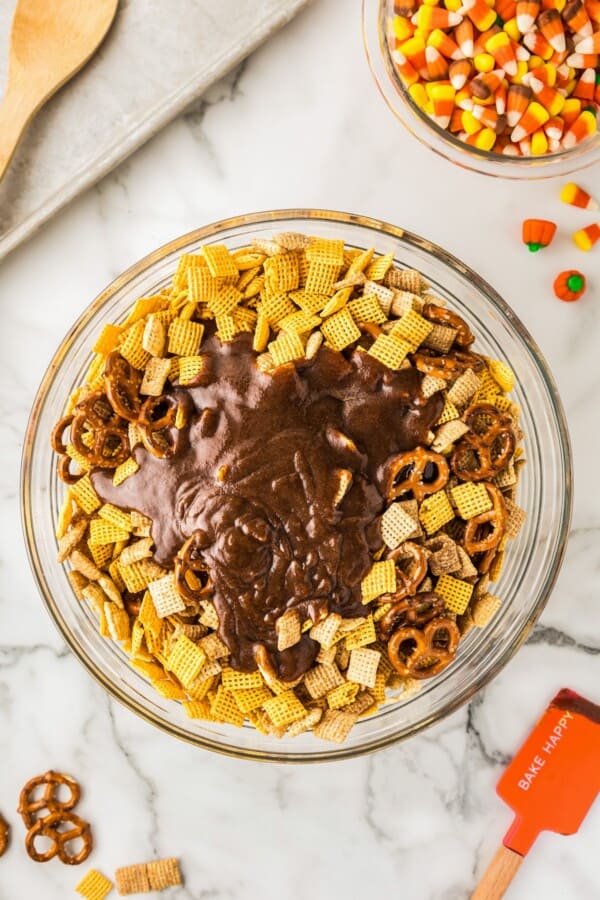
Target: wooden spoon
column 50, row 41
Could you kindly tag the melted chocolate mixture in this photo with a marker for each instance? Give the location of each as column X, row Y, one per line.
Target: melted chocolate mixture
column 275, row 538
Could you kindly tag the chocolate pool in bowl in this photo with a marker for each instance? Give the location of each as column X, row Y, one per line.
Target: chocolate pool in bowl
column 530, row 566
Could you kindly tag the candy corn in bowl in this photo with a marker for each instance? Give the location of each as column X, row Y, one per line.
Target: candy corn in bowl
column 505, row 87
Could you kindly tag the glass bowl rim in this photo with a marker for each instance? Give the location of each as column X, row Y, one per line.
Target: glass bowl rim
column 549, row 165
column 142, row 265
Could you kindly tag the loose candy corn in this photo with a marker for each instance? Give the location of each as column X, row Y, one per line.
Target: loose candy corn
column 585, row 238
column 569, row 285
column 576, row 196
column 516, row 77
column 538, row 233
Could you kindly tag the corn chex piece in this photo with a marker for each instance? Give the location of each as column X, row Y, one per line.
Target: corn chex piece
column 435, row 511
column 124, row 471
column 299, row 322
column 312, row 718
column 213, row 646
column 249, row 700
column 340, row 330
column 484, row 609
column 502, row 374
column 447, row 434
column 241, row 681
column 396, row 526
column 284, row 709
column 389, row 350
column 225, row 301
column 244, row 319
column 361, row 636
column 94, row 886
column 412, row 328
column 281, row 272
column 131, row 347
column 275, row 307
column 448, row 413
column 224, row 708
column 84, row 495
column 378, row 267
column 289, row 629
column 102, row 532
column 342, row 695
column 168, row 689
column 132, row 879
column 471, row 499
column 363, row 666
column 185, row 337
column 367, row 309
column 107, row 340
column 163, row 873
column 286, row 348
column 321, row 277
column 440, row 338
column 202, row 286
column 309, row 303
column 455, row 593
column 197, row 709
column 325, row 631
column 155, row 375
column 186, row 660
column 465, row 386
column 327, row 250
column 191, row 367
column 220, row 262
column 226, row 327
column 380, row 580
column 165, row 596
column 321, row 679
column 335, row 726
column 101, row 553
column 143, row 307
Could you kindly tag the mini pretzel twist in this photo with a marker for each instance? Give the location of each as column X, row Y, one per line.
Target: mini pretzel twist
column 96, row 432
column 492, row 447
column 415, row 471
column 407, row 581
column 157, row 425
column 191, row 572
column 49, row 828
column 4, row 835
column 422, row 654
column 48, row 800
column 412, row 612
column 123, row 384
column 448, row 366
column 493, row 522
column 443, row 316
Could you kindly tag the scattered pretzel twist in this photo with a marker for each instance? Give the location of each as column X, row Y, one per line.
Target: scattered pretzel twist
column 410, row 471
column 494, row 522
column 422, row 654
column 448, row 366
column 191, row 573
column 48, row 801
column 157, row 425
column 407, row 581
column 49, row 828
column 123, row 384
column 492, row 447
column 4, row 835
column 442, row 316
column 96, row 432
column 412, row 612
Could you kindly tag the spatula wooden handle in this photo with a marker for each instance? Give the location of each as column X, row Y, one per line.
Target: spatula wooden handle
column 498, row 875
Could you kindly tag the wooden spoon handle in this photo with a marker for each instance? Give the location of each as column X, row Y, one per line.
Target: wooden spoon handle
column 16, row 111
column 498, row 875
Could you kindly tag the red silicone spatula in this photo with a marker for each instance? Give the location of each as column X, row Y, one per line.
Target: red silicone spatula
column 550, row 784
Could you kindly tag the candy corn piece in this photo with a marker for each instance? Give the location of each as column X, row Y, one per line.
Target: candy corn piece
column 517, row 102
column 586, row 86
column 553, row 101
column 585, row 238
column 484, row 86
column 527, row 13
column 437, row 65
column 583, row 60
column 534, row 117
column 501, row 48
column 551, row 25
column 576, row 17
column 444, row 43
column 554, row 129
column 590, row 44
column 442, row 97
column 538, row 45
column 463, row 35
column 459, row 72
column 583, row 127
column 430, row 17
column 576, row 196
column 500, row 100
column 407, row 72
column 481, row 15
column 506, row 9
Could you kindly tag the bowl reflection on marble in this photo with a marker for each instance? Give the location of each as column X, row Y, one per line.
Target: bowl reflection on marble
column 376, row 15
column 531, row 565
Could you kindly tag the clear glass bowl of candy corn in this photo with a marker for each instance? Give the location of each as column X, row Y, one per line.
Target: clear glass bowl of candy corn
column 509, row 88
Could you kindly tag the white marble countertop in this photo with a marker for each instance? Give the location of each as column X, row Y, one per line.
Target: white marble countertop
column 300, row 124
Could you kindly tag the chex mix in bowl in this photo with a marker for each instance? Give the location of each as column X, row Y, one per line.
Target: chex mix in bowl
column 290, row 482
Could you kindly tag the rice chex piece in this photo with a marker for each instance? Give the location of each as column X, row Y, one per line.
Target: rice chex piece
column 165, row 596
column 440, row 338
column 411, row 508
column 289, row 629
column 515, row 520
column 455, row 593
column 361, row 636
column 435, row 511
column 467, row 569
column 471, row 499
column 325, row 631
column 447, row 434
column 363, row 666
column 307, row 722
column 406, row 280
column 335, row 726
column 163, row 873
column 132, row 879
column 380, row 580
column 464, row 388
column 213, row 646
column 484, row 609
column 321, row 679
column 94, row 886
column 396, row 526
